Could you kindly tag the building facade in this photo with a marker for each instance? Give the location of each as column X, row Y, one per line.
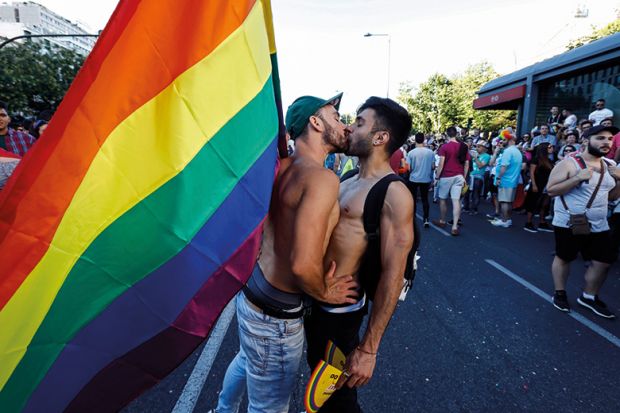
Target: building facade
column 573, row 80
column 25, row 18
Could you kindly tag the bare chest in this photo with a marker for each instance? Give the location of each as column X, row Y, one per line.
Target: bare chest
column 352, row 198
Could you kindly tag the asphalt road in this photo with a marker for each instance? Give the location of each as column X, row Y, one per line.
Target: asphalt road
column 475, row 335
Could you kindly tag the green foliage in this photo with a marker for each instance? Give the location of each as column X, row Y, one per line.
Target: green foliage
column 36, row 76
column 611, row 28
column 441, row 102
column 431, row 104
column 347, row 118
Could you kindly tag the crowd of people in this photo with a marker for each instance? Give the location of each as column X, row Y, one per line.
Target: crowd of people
column 17, row 135
column 561, row 171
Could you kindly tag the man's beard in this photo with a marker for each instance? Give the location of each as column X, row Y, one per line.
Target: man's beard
column 330, row 137
column 362, row 148
column 596, row 152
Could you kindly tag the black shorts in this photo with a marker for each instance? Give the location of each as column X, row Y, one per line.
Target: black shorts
column 596, row 246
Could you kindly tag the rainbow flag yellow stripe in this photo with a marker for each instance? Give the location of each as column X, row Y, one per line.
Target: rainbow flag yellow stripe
column 179, row 152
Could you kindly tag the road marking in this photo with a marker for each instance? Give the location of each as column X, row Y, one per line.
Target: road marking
column 444, row 232
column 586, row 322
column 195, row 383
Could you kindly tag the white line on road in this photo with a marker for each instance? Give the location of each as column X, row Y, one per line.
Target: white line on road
column 193, row 387
column 444, row 232
column 592, row 326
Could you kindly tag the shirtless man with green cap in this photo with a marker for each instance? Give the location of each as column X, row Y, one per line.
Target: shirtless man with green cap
column 303, row 213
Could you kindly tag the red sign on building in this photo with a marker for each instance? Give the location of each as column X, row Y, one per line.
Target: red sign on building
column 500, row 97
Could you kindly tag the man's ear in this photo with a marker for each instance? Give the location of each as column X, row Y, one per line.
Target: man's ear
column 381, row 138
column 316, row 123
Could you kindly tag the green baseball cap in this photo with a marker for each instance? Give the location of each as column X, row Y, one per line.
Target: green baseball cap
column 298, row 114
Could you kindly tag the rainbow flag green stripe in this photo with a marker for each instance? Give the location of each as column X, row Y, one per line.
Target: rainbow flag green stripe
column 143, row 232
column 151, row 193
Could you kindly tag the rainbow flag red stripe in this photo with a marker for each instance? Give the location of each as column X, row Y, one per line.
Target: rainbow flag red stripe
column 125, row 232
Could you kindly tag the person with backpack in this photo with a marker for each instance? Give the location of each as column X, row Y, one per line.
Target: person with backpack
column 374, row 240
column 289, row 269
column 585, row 184
column 451, row 172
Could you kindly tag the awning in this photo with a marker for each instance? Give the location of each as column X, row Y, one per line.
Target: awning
column 498, row 100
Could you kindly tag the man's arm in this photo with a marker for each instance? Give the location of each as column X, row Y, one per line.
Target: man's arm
column 396, row 242
column 500, row 174
column 614, row 171
column 617, row 155
column 311, row 230
column 410, row 160
column 442, row 161
column 533, row 177
column 480, row 163
column 493, row 159
column 563, row 179
column 467, row 164
column 615, row 193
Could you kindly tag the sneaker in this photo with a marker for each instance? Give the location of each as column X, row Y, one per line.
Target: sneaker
column 543, row 226
column 426, row 223
column 530, row 228
column 560, row 301
column 597, row 306
column 549, row 218
column 493, row 216
column 499, row 223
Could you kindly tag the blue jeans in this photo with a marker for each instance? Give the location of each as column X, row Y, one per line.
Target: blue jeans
column 267, row 362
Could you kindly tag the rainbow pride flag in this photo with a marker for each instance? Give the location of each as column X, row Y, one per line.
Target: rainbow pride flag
column 133, row 222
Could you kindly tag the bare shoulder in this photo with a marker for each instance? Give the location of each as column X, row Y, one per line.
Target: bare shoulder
column 326, row 178
column 398, row 199
column 566, row 165
column 329, row 177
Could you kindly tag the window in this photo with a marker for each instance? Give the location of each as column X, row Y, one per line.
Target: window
column 579, row 91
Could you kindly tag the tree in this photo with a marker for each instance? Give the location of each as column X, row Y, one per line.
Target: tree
column 35, row 76
column 611, row 28
column 430, row 104
column 465, row 87
column 441, row 101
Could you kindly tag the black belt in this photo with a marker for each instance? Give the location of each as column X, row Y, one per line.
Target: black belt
column 271, row 310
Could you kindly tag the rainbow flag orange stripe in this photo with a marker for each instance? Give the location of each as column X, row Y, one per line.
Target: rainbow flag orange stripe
column 126, row 230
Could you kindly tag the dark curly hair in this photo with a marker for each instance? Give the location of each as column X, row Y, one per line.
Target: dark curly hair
column 392, row 117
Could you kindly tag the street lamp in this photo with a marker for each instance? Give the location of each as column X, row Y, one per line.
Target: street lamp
column 35, row 36
column 389, row 39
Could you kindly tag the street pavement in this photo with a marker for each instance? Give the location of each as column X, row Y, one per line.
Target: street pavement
column 476, row 334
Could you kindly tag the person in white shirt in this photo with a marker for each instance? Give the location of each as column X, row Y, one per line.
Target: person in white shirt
column 600, row 113
column 570, row 119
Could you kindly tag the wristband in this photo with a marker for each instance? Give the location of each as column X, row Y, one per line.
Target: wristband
column 367, row 352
